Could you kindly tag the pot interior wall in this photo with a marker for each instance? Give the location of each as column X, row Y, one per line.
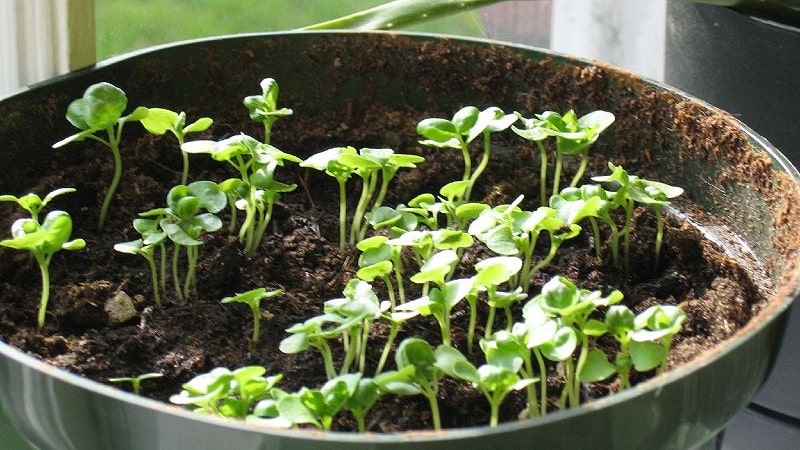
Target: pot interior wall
column 348, row 81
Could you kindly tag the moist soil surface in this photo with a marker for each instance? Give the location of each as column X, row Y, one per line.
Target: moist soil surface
column 300, row 256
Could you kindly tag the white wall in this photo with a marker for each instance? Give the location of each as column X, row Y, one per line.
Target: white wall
column 626, row 33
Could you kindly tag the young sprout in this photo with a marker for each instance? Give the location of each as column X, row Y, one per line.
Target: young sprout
column 510, row 350
column 656, row 196
column 257, row 190
column 33, row 203
column 644, row 340
column 138, row 247
column 369, row 164
column 100, row 110
column 428, row 209
column 327, row 161
column 659, row 323
column 153, row 237
column 573, row 136
column 314, row 332
column 43, row 241
column 184, row 223
column 227, row 393
column 315, row 406
column 508, row 230
column 620, row 198
column 426, row 368
column 355, row 311
column 573, row 307
column 619, row 323
column 630, row 189
column 573, row 204
column 252, row 298
column 491, row 273
column 440, row 302
column 351, row 392
column 364, row 392
column 264, row 108
column 396, row 320
column 496, row 382
column 159, row 120
column 536, row 131
column 425, row 245
column 458, row 133
column 377, row 260
column 136, row 382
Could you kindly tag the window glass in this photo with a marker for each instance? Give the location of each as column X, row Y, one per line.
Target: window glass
column 123, row 25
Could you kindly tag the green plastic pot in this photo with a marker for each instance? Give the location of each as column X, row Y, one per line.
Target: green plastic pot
column 321, row 74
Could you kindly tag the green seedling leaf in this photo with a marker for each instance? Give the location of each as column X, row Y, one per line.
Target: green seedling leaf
column 436, row 268
column 293, row 409
column 561, row 346
column 597, row 367
column 647, row 355
column 496, row 270
column 32, row 203
column 455, row 364
column 657, row 322
column 100, row 107
column 253, row 298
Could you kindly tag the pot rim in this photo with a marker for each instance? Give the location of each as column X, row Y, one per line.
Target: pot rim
column 782, row 299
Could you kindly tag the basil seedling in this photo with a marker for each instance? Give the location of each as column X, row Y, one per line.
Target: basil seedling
column 184, row 223
column 252, row 298
column 264, row 108
column 227, row 393
column 159, row 120
column 100, row 110
column 458, row 133
column 573, row 136
column 43, row 241
column 256, row 191
column 561, row 298
column 136, row 382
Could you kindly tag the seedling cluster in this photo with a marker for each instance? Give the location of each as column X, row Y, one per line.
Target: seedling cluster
column 420, row 243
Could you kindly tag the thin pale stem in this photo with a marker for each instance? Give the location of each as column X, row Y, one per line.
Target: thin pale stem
column 176, row 279
column 264, row 220
column 557, row 174
column 467, row 161
column 398, row 275
column 489, row 322
column 191, row 263
column 575, row 397
column 387, row 348
column 112, row 187
column 533, row 409
column 659, row 238
column 542, row 381
column 44, row 263
column 342, row 214
column 581, row 169
column 487, row 149
column 154, row 279
column 473, row 318
column 542, row 173
column 256, row 325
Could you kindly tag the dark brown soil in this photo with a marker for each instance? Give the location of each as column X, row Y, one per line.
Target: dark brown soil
column 301, row 257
